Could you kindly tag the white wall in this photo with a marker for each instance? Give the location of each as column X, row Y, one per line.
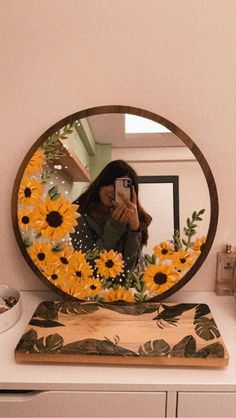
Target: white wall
column 174, row 58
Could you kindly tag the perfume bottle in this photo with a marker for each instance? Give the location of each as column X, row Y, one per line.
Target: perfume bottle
column 226, row 272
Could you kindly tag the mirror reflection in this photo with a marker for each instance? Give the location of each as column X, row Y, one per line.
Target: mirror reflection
column 94, row 228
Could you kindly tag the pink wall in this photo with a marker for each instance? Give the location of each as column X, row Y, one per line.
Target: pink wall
column 175, row 58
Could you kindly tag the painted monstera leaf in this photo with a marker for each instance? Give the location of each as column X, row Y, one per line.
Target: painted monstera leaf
column 185, row 348
column 93, row 346
column 206, row 328
column 157, row 348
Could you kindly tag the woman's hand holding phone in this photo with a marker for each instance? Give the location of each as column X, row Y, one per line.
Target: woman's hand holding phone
column 127, row 211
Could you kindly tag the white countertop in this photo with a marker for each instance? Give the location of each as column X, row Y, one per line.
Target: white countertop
column 46, row 376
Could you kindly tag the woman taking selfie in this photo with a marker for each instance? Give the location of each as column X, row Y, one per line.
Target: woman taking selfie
column 113, row 223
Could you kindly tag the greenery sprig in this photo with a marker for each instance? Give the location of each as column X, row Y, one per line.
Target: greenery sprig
column 189, row 231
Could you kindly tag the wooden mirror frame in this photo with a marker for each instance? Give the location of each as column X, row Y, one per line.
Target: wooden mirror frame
column 214, row 206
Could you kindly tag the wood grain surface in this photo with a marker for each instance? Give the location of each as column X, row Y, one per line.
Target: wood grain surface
column 145, row 334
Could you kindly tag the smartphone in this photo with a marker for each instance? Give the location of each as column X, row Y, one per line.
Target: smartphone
column 123, row 185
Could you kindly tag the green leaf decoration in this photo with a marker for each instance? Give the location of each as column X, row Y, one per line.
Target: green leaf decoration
column 50, row 344
column 91, row 346
column 76, row 307
column 140, row 297
column 53, row 193
column 27, row 242
column 156, row 348
column 45, row 177
column 149, row 259
column 46, row 310
column 211, row 351
column 55, row 196
column 185, row 348
column 45, row 324
column 57, row 248
column 38, row 235
column 206, row 328
column 27, row 342
column 171, row 314
column 138, row 309
column 201, row 310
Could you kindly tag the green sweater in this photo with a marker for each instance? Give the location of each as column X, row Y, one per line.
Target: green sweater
column 108, row 235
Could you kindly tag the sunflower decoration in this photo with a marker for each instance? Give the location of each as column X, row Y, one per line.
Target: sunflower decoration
column 55, row 218
column 80, row 269
column 54, row 274
column 30, row 191
column 160, row 277
column 183, row 260
column 199, row 244
column 42, row 255
column 25, row 219
column 71, row 287
column 163, row 251
column 63, row 258
column 92, row 287
column 35, row 164
column 118, row 294
column 110, row 264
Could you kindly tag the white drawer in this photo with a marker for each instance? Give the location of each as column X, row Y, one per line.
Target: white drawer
column 83, row 404
column 207, row 404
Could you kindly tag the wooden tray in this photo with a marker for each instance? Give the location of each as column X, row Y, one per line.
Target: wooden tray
column 143, row 334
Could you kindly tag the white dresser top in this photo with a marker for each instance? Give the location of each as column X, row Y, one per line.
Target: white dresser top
column 46, row 376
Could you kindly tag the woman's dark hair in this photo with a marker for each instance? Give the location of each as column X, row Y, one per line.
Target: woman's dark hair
column 90, row 198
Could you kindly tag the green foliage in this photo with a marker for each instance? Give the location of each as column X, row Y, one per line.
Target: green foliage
column 206, row 328
column 185, row 348
column 189, row 231
column 27, row 243
column 54, row 193
column 50, row 145
column 156, row 348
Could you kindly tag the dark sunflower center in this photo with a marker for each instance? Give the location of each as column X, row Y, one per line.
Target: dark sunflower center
column 54, row 276
column 64, row 260
column 54, row 219
column 27, row 192
column 78, row 273
column 41, row 256
column 25, row 220
column 183, row 260
column 164, row 251
column 93, row 287
column 160, row 278
column 109, row 264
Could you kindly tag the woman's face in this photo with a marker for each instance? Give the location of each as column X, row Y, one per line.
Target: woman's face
column 106, row 194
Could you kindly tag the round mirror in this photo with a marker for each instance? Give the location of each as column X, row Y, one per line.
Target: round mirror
column 113, row 204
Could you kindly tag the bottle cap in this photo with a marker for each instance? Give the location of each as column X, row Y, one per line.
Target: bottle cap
column 228, row 248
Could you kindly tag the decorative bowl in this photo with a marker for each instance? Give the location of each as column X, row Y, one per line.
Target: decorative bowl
column 13, row 314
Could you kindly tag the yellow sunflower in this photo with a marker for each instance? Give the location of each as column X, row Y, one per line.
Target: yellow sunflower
column 54, row 274
column 64, row 257
column 110, row 264
column 42, row 254
column 199, row 244
column 119, row 294
column 71, row 287
column 183, row 260
column 163, row 251
column 160, row 277
column 35, row 164
column 30, row 191
column 80, row 269
column 92, row 287
column 25, row 218
column 55, row 218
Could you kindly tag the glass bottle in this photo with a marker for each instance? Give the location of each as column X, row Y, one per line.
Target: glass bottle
column 226, row 272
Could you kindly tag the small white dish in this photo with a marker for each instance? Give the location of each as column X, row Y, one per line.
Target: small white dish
column 12, row 315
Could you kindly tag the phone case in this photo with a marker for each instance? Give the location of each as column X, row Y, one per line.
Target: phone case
column 124, row 186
